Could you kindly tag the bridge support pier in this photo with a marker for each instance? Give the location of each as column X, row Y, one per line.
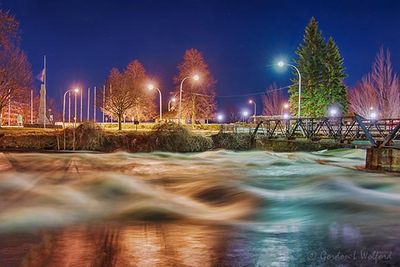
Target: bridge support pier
column 383, row 159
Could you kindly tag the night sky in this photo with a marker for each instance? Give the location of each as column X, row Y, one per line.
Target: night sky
column 83, row 40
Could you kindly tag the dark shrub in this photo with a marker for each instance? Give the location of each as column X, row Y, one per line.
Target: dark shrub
column 89, row 136
column 232, row 141
column 174, row 137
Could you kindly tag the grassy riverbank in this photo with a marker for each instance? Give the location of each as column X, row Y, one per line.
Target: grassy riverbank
column 165, row 137
column 88, row 136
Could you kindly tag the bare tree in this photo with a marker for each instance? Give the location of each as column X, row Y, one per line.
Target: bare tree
column 379, row 89
column 9, row 27
column 126, row 94
column 363, row 98
column 198, row 98
column 232, row 113
column 119, row 98
column 15, row 71
column 144, row 107
column 273, row 101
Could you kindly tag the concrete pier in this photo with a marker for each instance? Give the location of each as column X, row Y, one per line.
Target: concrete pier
column 383, row 159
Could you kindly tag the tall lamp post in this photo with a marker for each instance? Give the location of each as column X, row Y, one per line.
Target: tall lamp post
column 151, row 87
column 251, row 101
column 194, row 77
column 281, row 64
column 76, row 90
column 69, row 108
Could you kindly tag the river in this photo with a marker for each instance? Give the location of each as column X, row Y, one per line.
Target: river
column 217, row 208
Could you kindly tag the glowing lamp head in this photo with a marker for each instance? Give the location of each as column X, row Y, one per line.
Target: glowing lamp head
column 150, row 86
column 245, row 113
column 373, row 116
column 173, row 99
column 333, row 112
column 286, row 106
column 220, row 117
column 76, row 90
column 196, row 77
column 251, row 101
column 286, row 116
column 281, row 64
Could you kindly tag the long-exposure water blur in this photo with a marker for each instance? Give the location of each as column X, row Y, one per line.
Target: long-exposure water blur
column 217, row 208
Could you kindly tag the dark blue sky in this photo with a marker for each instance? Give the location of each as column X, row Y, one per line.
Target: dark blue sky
column 83, row 40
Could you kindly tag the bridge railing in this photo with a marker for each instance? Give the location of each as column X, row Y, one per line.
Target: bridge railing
column 380, row 132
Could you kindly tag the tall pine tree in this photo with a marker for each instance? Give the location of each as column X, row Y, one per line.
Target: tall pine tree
column 322, row 71
column 335, row 91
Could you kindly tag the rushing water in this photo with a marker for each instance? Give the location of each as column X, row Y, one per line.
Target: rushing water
column 216, row 208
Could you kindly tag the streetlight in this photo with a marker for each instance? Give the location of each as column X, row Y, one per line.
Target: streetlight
column 65, row 94
column 286, row 116
column 333, row 112
column 169, row 103
column 76, row 90
column 220, row 118
column 245, row 113
column 151, row 87
column 195, row 77
column 281, row 64
column 285, row 108
column 373, row 115
column 251, row 101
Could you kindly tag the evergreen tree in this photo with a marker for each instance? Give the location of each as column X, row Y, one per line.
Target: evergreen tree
column 335, row 91
column 322, row 71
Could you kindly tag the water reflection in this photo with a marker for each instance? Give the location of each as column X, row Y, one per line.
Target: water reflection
column 140, row 244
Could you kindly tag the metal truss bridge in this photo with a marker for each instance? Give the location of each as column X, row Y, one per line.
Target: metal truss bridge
column 379, row 132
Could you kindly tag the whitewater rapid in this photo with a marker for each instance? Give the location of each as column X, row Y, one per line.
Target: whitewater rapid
column 323, row 199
